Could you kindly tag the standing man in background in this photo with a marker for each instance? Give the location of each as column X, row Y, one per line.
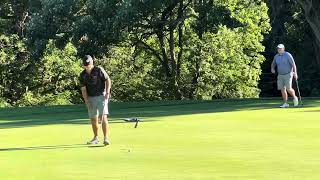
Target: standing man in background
column 286, row 71
column 95, row 87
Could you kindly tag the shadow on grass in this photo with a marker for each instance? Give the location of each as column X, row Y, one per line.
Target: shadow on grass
column 63, row 147
column 49, row 121
column 77, row 114
column 313, row 111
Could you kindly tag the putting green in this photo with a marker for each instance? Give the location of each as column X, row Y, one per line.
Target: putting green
column 178, row 140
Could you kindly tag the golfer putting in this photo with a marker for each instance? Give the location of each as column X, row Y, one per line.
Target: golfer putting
column 95, row 88
column 287, row 70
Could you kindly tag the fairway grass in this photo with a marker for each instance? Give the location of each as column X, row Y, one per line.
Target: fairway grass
column 208, row 140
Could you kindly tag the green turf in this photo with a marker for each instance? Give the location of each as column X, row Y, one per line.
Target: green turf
column 178, row 140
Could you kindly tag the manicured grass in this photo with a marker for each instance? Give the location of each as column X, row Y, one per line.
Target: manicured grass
column 178, row 140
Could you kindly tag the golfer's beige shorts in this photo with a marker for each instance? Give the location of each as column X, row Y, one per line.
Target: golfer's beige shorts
column 285, row 81
column 99, row 106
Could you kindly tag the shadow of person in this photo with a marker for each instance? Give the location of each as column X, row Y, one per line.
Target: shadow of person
column 32, row 148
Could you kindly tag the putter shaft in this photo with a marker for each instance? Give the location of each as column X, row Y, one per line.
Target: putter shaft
column 300, row 99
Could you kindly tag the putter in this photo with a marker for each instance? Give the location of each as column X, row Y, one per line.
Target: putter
column 300, row 99
column 134, row 119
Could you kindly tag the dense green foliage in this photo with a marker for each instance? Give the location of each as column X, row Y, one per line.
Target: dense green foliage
column 152, row 49
column 56, row 80
column 13, row 61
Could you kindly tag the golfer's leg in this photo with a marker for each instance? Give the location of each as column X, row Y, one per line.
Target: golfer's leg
column 289, row 86
column 282, row 88
column 105, row 126
column 103, row 112
column 292, row 92
column 284, row 95
column 95, row 126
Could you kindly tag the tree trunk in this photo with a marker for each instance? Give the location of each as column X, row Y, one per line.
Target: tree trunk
column 316, row 47
column 179, row 61
column 200, row 29
column 164, row 53
column 180, row 40
column 21, row 16
column 312, row 13
column 172, row 54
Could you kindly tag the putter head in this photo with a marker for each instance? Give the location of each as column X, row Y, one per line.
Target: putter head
column 133, row 119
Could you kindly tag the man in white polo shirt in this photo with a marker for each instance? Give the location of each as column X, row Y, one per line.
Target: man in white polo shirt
column 287, row 70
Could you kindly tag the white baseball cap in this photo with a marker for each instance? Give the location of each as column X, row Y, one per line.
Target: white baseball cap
column 280, row 46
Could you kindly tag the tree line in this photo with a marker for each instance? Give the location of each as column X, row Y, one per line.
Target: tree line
column 152, row 49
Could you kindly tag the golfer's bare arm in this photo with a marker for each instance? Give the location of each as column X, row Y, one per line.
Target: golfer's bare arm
column 293, row 64
column 294, row 67
column 273, row 66
column 108, row 86
column 107, row 79
column 84, row 94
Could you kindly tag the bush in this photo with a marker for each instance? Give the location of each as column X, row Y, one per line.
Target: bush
column 56, row 82
column 4, row 103
column 31, row 99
